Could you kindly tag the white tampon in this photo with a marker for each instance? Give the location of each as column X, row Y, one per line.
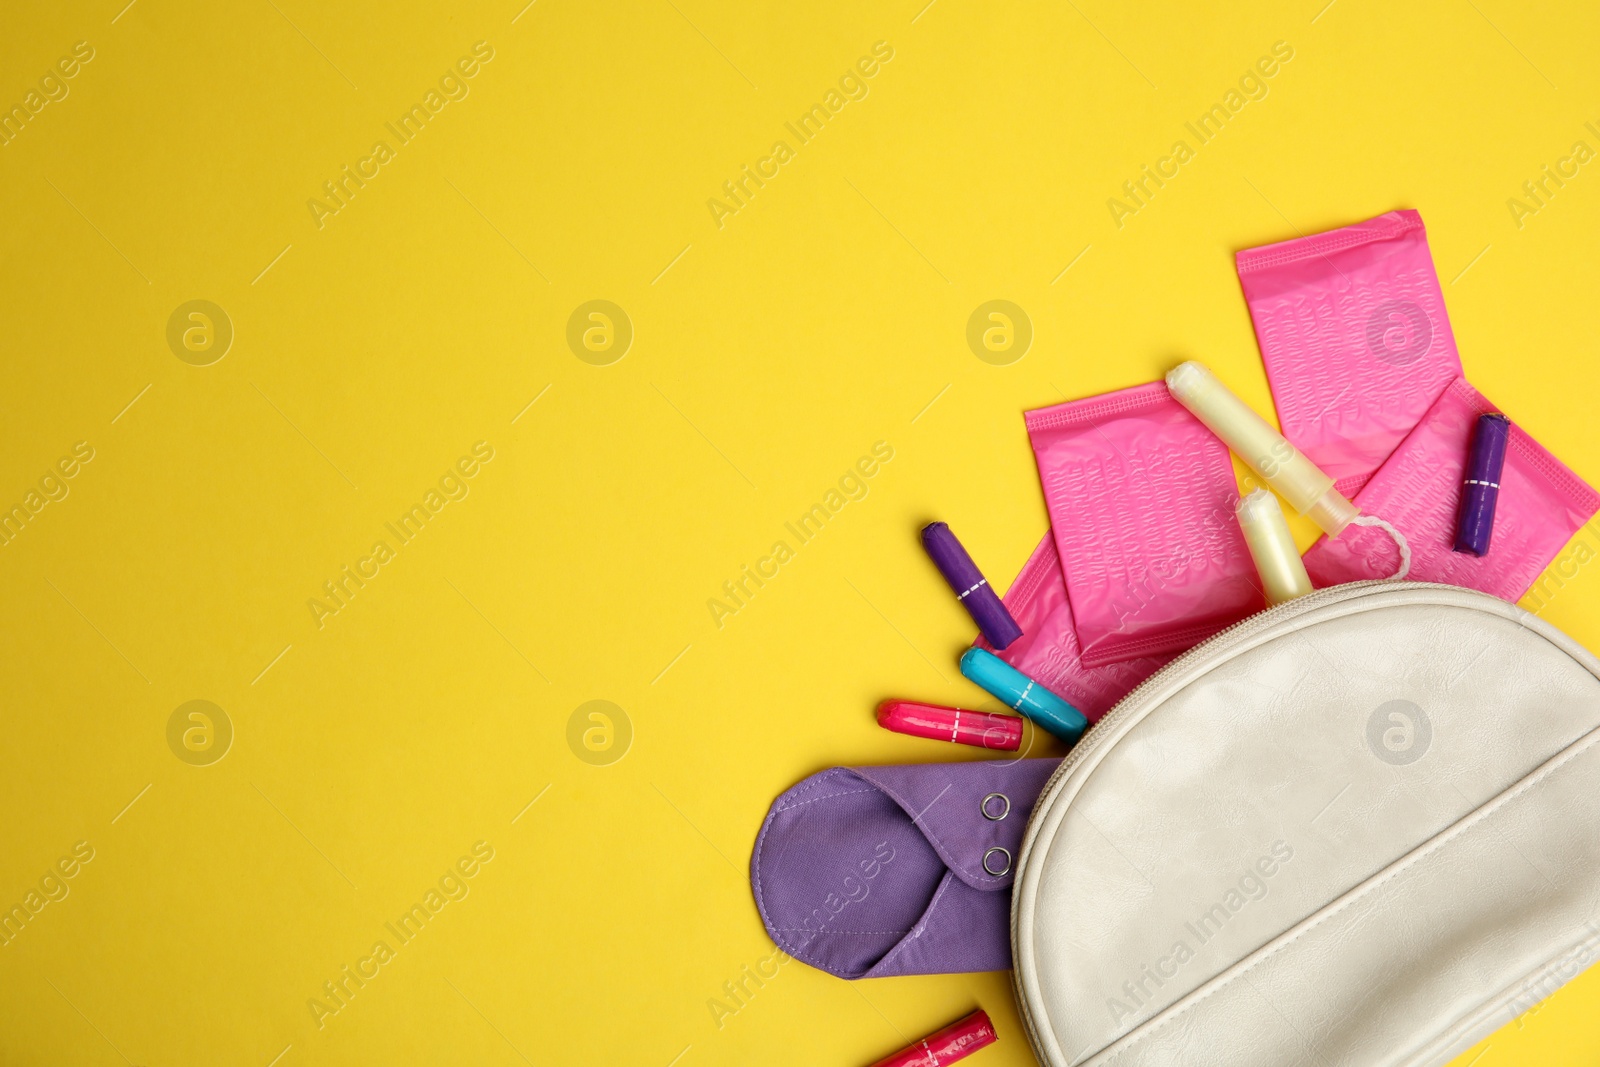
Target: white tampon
column 1307, row 489
column 1266, row 531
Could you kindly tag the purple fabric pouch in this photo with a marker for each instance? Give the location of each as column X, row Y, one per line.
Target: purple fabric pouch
column 869, row 872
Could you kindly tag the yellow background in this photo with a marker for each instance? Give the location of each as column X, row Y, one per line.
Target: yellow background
column 769, row 354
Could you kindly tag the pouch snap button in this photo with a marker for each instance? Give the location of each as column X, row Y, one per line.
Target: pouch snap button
column 1002, row 871
column 983, row 806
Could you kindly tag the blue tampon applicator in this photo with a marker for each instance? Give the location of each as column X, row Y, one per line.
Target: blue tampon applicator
column 1021, row 693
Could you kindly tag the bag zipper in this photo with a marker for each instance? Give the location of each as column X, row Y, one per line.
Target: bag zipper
column 1125, row 707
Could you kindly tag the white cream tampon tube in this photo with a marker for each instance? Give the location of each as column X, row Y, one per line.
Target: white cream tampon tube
column 1280, row 464
column 1266, row 531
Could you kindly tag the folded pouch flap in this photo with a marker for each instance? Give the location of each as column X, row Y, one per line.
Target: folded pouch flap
column 948, row 801
column 867, row 872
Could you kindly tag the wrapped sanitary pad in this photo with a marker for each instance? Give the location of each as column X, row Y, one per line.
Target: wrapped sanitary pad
column 1541, row 505
column 1354, row 335
column 1141, row 499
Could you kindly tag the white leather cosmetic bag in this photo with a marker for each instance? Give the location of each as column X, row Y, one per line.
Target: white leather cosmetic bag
column 1362, row 827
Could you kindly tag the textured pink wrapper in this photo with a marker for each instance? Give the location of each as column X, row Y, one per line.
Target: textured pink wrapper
column 1047, row 651
column 1353, row 331
column 1541, row 505
column 1141, row 499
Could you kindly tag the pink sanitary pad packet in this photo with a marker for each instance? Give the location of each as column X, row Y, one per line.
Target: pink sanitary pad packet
column 1047, row 651
column 1353, row 331
column 1141, row 499
column 1541, row 505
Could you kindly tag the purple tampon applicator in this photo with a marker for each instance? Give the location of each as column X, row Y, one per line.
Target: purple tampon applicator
column 1480, row 488
column 970, row 586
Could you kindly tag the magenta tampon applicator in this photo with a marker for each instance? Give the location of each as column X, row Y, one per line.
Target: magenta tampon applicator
column 969, row 585
column 980, row 729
